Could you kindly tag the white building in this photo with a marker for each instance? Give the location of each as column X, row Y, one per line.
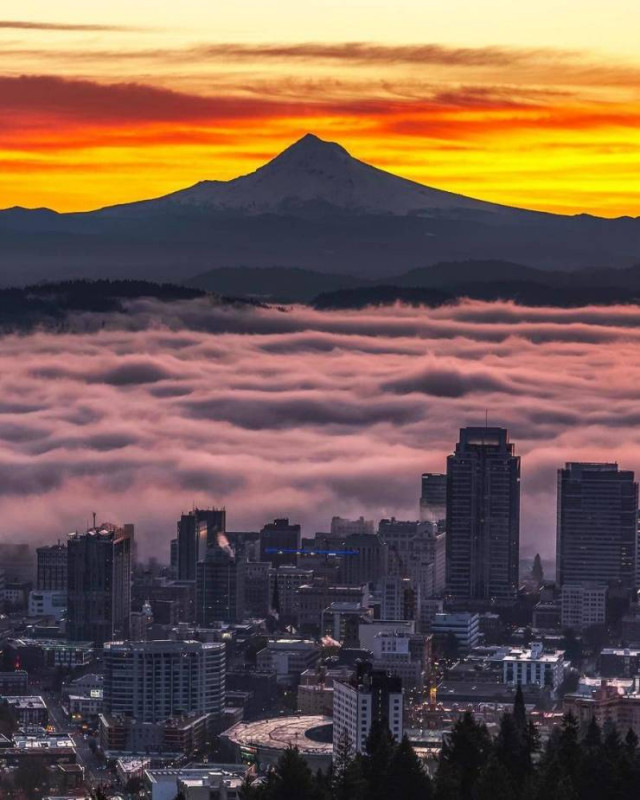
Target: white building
column 464, row 625
column 367, row 631
column 582, row 606
column 222, row 781
column 47, row 603
column 398, row 598
column 392, row 653
column 369, row 697
column 288, row 658
column 533, row 666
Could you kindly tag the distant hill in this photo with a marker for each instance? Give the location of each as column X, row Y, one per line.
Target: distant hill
column 272, row 284
column 54, row 305
column 488, row 280
column 313, row 207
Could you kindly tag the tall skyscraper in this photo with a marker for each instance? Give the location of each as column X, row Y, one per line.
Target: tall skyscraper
column 197, row 530
column 99, row 583
column 279, row 542
column 433, row 497
column 597, row 530
column 52, row 568
column 483, row 516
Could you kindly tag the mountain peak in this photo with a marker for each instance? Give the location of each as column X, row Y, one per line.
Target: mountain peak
column 311, row 150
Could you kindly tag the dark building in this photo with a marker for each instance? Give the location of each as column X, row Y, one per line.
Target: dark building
column 483, row 516
column 279, row 543
column 52, row 568
column 99, row 584
column 197, row 530
column 173, row 557
column 220, row 587
column 364, row 559
column 433, row 497
column 597, row 525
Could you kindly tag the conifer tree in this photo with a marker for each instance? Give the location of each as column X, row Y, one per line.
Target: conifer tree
column 407, row 775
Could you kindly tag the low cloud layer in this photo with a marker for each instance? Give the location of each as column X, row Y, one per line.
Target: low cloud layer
column 301, row 413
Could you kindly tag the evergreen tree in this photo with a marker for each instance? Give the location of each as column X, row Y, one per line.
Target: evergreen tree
column 494, row 782
column 290, row 779
column 348, row 782
column 406, row 774
column 379, row 750
column 463, row 755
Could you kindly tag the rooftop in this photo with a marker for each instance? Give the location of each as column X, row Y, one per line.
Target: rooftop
column 281, row 732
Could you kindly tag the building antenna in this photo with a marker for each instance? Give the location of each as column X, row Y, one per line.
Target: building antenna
column 94, row 518
column 486, row 418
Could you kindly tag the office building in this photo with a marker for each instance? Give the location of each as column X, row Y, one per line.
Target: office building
column 483, row 517
column 47, row 603
column 341, row 527
column 289, row 580
column 365, row 559
column 597, row 525
column 619, row 662
column 220, row 582
column 533, row 665
column 399, row 598
column 313, row 598
column 99, row 584
column 464, row 625
column 153, row 681
column 288, row 658
column 51, row 570
column 257, row 593
column 433, row 497
column 397, row 653
column 582, row 606
column 280, row 542
column 369, row 697
column 198, row 530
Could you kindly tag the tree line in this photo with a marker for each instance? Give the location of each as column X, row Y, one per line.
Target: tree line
column 574, row 764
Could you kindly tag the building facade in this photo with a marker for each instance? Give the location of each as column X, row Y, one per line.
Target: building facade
column 197, row 531
column 483, row 517
column 99, row 584
column 51, row 569
column 369, row 697
column 153, row 681
column 597, row 525
column 280, row 542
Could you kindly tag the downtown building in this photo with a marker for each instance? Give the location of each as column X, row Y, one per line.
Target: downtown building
column 483, row 518
column 161, row 696
column 51, row 569
column 220, row 587
column 280, row 542
column 597, row 526
column 370, row 697
column 197, row 531
column 99, row 584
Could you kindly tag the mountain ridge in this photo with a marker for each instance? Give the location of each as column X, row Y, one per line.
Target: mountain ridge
column 313, row 207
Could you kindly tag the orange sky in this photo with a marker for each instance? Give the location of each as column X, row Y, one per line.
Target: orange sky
column 537, row 107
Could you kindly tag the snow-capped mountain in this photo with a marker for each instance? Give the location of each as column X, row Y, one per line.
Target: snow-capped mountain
column 312, row 207
column 315, row 174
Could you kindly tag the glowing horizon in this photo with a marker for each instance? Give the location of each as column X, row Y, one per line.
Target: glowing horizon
column 517, row 106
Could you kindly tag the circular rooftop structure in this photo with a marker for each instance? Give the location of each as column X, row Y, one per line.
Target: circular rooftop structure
column 263, row 741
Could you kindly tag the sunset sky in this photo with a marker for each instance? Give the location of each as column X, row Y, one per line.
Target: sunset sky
column 530, row 104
